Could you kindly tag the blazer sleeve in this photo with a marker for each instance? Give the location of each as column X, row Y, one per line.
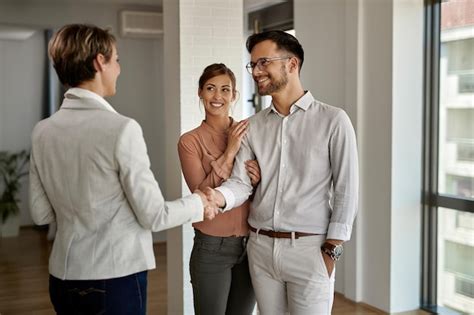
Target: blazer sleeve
column 40, row 207
column 142, row 190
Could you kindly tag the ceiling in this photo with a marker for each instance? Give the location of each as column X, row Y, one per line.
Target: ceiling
column 249, row 5
column 118, row 2
column 14, row 32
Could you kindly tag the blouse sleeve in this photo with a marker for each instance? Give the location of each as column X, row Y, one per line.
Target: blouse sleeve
column 191, row 158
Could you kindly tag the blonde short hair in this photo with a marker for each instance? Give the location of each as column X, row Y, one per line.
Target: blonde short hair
column 73, row 50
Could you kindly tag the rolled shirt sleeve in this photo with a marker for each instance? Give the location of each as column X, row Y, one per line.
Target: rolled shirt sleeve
column 238, row 188
column 345, row 174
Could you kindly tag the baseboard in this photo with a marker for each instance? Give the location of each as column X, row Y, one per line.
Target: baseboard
column 373, row 308
column 377, row 310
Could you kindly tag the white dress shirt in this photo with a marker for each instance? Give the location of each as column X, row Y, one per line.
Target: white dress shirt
column 309, row 170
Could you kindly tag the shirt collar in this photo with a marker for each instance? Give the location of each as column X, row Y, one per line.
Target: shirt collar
column 303, row 102
column 83, row 93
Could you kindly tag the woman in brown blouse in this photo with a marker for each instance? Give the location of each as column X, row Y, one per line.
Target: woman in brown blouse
column 218, row 266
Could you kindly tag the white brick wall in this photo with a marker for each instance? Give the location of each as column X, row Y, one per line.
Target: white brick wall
column 211, row 31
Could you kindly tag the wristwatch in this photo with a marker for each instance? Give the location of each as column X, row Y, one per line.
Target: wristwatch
column 333, row 251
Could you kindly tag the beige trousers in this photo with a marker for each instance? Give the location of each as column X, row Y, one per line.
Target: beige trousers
column 289, row 275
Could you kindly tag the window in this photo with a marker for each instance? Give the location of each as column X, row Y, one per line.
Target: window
column 465, row 287
column 466, row 83
column 465, row 152
column 448, row 212
column 278, row 16
column 464, row 220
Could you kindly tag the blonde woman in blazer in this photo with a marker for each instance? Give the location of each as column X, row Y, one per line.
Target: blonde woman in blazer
column 90, row 173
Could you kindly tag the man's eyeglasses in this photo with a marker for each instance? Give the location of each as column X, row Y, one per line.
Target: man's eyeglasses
column 263, row 63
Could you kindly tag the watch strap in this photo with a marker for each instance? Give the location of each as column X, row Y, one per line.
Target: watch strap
column 333, row 251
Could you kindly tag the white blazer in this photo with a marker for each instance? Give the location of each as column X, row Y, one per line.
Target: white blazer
column 90, row 172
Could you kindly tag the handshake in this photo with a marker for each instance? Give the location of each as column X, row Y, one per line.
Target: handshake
column 212, row 200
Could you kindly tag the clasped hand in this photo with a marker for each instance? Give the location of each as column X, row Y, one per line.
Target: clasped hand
column 212, row 200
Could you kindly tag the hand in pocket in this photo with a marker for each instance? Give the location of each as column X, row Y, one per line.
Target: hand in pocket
column 330, row 264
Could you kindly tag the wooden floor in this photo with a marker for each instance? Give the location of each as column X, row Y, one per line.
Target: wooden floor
column 24, row 279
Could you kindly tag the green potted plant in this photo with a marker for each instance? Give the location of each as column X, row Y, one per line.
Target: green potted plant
column 13, row 166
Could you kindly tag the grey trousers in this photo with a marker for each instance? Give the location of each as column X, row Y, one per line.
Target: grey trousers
column 220, row 276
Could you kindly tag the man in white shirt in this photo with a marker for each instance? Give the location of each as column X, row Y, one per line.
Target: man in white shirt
column 304, row 207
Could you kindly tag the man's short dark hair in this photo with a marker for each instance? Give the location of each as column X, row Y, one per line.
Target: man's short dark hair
column 283, row 41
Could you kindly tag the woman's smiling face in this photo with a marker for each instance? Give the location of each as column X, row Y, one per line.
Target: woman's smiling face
column 217, row 95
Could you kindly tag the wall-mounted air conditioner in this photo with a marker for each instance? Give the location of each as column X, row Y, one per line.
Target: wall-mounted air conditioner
column 141, row 24
column 8, row 32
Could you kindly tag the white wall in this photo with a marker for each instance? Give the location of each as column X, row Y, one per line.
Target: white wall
column 366, row 56
column 323, row 67
column 197, row 33
column 407, row 117
column 172, row 86
column 139, row 88
column 374, row 134
column 351, row 284
column 21, row 98
column 320, row 27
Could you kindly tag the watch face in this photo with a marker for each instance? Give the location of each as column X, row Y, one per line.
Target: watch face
column 338, row 251
column 335, row 251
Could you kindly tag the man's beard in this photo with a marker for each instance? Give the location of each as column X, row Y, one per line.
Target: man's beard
column 274, row 85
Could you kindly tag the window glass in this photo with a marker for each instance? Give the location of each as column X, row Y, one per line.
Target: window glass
column 455, row 261
column 456, row 116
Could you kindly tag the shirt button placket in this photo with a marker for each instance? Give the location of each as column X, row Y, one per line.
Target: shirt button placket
column 276, row 213
column 283, row 162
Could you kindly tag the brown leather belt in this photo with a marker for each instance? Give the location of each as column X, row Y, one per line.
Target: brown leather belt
column 275, row 234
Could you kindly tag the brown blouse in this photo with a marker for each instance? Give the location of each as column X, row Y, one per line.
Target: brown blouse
column 201, row 154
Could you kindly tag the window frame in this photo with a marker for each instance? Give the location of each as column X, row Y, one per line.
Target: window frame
column 275, row 17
